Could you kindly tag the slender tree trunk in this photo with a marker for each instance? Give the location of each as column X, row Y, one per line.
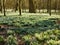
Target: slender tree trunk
column 39, row 5
column 16, row 5
column 4, row 7
column 47, row 6
column 59, row 6
column 19, row 7
column 0, row 6
column 55, row 5
column 43, row 6
column 31, row 7
column 39, row 9
column 50, row 8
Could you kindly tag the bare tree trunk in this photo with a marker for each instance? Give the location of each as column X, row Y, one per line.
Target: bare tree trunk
column 0, row 6
column 49, row 7
column 55, row 5
column 4, row 7
column 58, row 7
column 43, row 6
column 39, row 4
column 19, row 7
column 16, row 5
column 31, row 7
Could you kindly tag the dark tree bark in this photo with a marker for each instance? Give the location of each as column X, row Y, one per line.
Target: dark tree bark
column 39, row 5
column 4, row 7
column 49, row 7
column 19, row 7
column 16, row 5
column 58, row 6
column 0, row 6
column 31, row 7
column 43, row 6
column 55, row 5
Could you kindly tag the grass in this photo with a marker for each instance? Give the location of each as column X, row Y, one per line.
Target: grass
column 32, row 29
column 31, row 22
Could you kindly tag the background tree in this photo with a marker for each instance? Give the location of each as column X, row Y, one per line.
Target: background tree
column 0, row 6
column 19, row 6
column 55, row 5
column 43, row 5
column 24, row 6
column 39, row 5
column 49, row 6
column 31, row 6
column 4, row 7
column 16, row 5
column 58, row 6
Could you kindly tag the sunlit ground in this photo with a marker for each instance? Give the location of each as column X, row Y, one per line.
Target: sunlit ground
column 26, row 12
